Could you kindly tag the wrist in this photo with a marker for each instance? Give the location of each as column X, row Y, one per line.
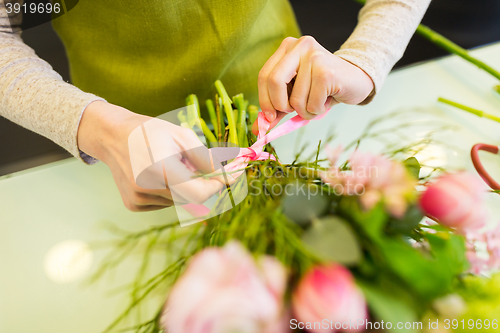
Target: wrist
column 365, row 82
column 98, row 132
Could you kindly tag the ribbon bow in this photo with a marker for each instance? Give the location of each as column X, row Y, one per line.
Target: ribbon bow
column 255, row 152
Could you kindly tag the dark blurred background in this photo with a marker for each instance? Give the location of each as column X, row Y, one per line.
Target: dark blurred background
column 469, row 23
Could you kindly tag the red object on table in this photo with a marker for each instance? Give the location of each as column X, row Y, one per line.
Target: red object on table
column 479, row 166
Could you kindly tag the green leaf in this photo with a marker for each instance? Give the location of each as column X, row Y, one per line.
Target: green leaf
column 408, row 222
column 425, row 274
column 450, row 250
column 388, row 308
column 302, row 203
column 333, row 239
column 497, row 88
column 413, row 166
column 373, row 221
column 429, row 275
column 419, row 273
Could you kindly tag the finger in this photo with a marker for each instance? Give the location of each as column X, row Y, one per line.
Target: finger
column 264, row 98
column 140, row 202
column 145, row 199
column 279, row 78
column 198, row 190
column 276, row 121
column 146, row 208
column 322, row 81
column 192, row 149
column 279, row 116
column 198, row 158
column 301, row 89
column 153, row 181
column 330, row 102
column 166, row 193
column 185, row 185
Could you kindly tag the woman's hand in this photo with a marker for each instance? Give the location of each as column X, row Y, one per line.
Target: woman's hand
column 104, row 134
column 303, row 76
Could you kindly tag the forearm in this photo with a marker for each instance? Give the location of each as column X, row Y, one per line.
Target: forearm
column 33, row 95
column 384, row 30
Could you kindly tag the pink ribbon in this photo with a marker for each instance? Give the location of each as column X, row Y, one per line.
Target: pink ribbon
column 255, row 152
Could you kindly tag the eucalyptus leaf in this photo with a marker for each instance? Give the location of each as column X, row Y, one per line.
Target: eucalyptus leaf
column 333, row 239
column 302, row 202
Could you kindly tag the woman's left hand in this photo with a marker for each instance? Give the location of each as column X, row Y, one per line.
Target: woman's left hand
column 317, row 79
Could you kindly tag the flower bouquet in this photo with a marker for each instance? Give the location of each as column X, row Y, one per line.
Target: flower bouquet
column 363, row 243
column 353, row 242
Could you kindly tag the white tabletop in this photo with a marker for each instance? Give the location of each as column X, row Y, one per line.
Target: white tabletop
column 67, row 200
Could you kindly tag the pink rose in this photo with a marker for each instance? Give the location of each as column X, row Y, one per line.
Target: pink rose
column 373, row 178
column 457, row 201
column 226, row 290
column 329, row 292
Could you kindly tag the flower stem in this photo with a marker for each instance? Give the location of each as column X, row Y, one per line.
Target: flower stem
column 213, row 116
column 193, row 100
column 451, row 47
column 253, row 113
column 194, row 118
column 207, row 132
column 226, row 102
column 241, row 125
column 478, row 113
column 220, row 118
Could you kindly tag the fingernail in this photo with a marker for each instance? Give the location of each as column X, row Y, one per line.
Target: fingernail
column 269, row 116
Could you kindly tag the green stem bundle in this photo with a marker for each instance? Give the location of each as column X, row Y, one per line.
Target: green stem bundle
column 207, row 132
column 235, row 110
column 194, row 118
column 213, row 116
column 226, row 102
column 193, row 100
column 241, row 125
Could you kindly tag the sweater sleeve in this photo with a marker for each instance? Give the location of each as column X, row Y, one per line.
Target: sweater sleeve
column 383, row 31
column 32, row 94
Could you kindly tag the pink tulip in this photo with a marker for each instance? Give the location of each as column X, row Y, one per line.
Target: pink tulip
column 226, row 290
column 373, row 178
column 329, row 293
column 457, row 201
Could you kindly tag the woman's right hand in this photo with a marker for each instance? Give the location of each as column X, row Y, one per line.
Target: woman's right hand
column 104, row 134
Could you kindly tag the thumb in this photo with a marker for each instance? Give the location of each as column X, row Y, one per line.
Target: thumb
column 280, row 115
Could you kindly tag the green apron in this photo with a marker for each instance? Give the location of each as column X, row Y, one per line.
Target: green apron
column 147, row 56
